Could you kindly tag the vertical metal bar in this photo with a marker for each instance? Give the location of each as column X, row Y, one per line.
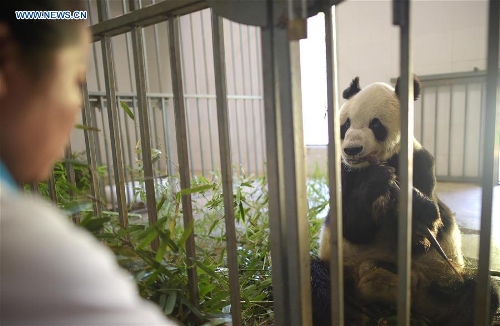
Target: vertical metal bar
column 466, row 109
column 114, row 128
column 261, row 102
column 292, row 155
column 490, row 166
column 157, row 51
column 189, row 137
column 166, row 126
column 34, row 187
column 152, row 122
column 236, row 110
column 226, row 170
column 278, row 251
column 52, row 187
column 91, row 148
column 129, row 50
column 245, row 109
column 182, row 151
column 130, row 157
column 252, row 92
column 94, row 50
column 449, row 131
column 402, row 16
column 200, row 139
column 109, row 162
column 70, row 169
column 70, row 176
column 140, row 83
column 126, row 145
column 334, row 175
column 183, row 71
column 422, row 109
column 436, row 123
column 208, row 100
column 481, row 135
column 98, row 155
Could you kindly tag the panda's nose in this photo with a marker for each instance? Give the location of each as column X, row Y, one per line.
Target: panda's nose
column 353, row 150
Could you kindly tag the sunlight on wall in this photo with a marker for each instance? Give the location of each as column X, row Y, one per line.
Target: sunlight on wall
column 313, row 74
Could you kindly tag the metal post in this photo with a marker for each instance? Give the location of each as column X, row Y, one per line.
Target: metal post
column 90, row 145
column 290, row 226
column 402, row 18
column 208, row 92
column 182, row 152
column 114, row 128
column 490, row 166
column 52, row 188
column 226, row 167
column 198, row 120
column 142, row 101
column 236, row 110
column 334, row 173
column 278, row 255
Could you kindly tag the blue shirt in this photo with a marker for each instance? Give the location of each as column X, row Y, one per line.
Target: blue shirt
column 7, row 178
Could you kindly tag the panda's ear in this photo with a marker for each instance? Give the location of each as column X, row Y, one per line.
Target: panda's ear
column 352, row 90
column 417, row 86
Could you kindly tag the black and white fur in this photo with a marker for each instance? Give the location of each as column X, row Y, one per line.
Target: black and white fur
column 370, row 126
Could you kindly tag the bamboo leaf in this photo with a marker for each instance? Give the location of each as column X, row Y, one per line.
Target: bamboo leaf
column 87, row 128
column 170, row 304
column 197, row 189
column 127, row 110
column 149, row 237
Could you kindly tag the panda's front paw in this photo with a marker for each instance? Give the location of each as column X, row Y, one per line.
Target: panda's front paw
column 380, row 182
column 425, row 216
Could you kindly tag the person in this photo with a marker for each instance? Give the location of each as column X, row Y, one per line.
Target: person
column 52, row 272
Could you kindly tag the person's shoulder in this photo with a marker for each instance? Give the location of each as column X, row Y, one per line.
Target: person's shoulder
column 50, row 265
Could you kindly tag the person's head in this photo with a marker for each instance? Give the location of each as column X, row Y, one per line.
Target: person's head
column 42, row 66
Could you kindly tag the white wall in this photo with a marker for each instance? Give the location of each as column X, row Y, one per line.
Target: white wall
column 447, row 36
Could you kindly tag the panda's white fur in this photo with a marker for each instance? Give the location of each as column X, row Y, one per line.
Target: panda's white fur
column 379, row 99
column 372, row 282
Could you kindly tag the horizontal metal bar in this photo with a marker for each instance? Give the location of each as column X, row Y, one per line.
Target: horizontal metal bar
column 146, row 16
column 170, row 95
column 455, row 75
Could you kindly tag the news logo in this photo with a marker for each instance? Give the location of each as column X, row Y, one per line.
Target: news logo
column 52, row 15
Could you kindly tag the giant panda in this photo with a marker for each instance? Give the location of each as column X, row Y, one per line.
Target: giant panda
column 370, row 146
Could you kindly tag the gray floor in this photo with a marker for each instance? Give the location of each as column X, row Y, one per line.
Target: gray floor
column 465, row 200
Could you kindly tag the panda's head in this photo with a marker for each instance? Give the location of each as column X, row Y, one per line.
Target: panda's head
column 370, row 122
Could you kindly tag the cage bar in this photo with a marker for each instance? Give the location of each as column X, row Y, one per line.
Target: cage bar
column 182, row 153
column 114, row 128
column 142, row 101
column 334, row 168
column 402, row 18
column 226, row 167
column 490, row 165
column 91, row 149
column 278, row 254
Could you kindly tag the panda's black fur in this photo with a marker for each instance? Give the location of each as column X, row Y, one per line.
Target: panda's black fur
column 370, row 191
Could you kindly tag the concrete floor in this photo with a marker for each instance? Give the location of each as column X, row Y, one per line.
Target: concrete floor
column 464, row 199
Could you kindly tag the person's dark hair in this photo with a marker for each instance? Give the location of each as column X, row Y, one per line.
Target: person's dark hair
column 38, row 39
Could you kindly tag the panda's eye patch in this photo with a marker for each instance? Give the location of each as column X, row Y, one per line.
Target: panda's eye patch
column 378, row 129
column 375, row 124
column 344, row 127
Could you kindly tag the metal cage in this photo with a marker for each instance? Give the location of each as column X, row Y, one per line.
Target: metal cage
column 279, row 27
